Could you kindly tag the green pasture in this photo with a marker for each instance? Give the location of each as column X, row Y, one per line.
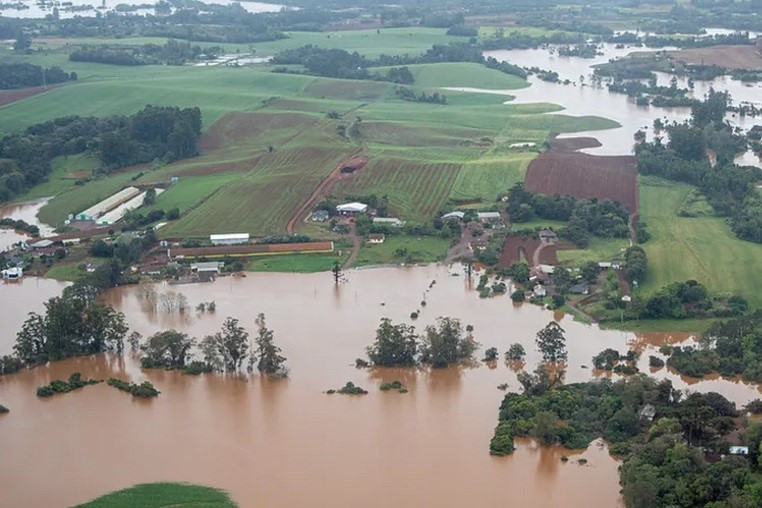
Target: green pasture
column 700, row 248
column 403, row 249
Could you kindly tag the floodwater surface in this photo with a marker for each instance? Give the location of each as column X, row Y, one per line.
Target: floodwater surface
column 26, row 211
column 286, row 443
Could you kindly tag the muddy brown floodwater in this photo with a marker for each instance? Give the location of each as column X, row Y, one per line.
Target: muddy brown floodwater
column 286, row 443
column 26, row 211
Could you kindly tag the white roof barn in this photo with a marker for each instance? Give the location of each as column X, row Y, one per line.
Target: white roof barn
column 488, row 216
column 229, row 239
column 454, row 215
column 109, row 203
column 389, row 221
column 352, row 208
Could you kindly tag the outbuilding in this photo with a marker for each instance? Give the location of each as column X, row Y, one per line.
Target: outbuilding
column 41, row 244
column 352, row 208
column 454, row 215
column 388, row 221
column 488, row 216
column 579, row 289
column 14, row 273
column 230, row 239
column 547, row 235
column 207, row 267
column 376, row 238
column 320, row 216
column 739, row 450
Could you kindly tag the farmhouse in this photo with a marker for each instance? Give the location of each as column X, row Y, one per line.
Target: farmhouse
column 41, row 244
column 388, row 221
column 108, row 204
column 579, row 289
column 229, row 239
column 352, row 208
column 376, row 238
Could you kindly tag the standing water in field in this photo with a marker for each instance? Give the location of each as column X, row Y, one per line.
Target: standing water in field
column 286, row 443
column 26, row 211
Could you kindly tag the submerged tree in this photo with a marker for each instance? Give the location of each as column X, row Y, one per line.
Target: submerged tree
column 336, row 271
column 395, row 345
column 270, row 360
column 226, row 350
column 552, row 343
column 515, row 353
column 169, row 349
column 445, row 343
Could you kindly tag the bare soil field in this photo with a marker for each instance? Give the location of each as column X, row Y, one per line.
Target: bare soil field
column 252, row 249
column 585, row 176
column 574, row 144
column 728, row 57
column 9, row 96
column 518, row 247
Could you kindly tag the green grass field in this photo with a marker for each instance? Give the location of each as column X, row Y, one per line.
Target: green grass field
column 295, row 263
column 163, row 495
column 599, row 249
column 700, row 248
column 268, row 142
column 403, row 249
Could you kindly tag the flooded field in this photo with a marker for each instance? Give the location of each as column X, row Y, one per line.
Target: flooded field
column 89, row 8
column 581, row 100
column 27, row 212
column 286, row 443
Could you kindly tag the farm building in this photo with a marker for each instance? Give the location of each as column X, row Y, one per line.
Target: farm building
column 547, row 235
column 13, row 273
column 388, row 221
column 207, row 267
column 579, row 289
column 108, row 204
column 376, row 238
column 352, row 208
column 488, row 216
column 230, row 239
column 320, row 216
column 739, row 450
column 547, row 269
column 120, row 211
column 41, row 244
column 454, row 215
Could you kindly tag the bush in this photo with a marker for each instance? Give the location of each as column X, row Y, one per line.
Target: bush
column 518, row 296
column 57, row 386
column 655, row 361
column 196, row 367
column 394, row 385
column 349, row 389
column 144, row 390
column 501, row 445
column 4, row 409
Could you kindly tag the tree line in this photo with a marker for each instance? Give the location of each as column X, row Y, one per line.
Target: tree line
column 662, row 437
column 155, row 132
column 584, row 217
column 22, row 75
column 172, row 53
column 730, row 189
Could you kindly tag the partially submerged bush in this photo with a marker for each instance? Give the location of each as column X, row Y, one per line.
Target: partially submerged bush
column 394, row 385
column 349, row 389
column 144, row 389
column 655, row 361
column 4, row 409
column 57, row 386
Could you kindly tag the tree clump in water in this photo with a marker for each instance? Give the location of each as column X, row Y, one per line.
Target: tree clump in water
column 143, row 390
column 394, row 385
column 349, row 389
column 4, row 409
column 58, row 386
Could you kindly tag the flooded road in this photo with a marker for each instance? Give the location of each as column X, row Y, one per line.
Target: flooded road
column 26, row 211
column 286, row 443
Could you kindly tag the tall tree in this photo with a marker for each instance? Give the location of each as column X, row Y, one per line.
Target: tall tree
column 395, row 345
column 228, row 348
column 446, row 343
column 270, row 360
column 169, row 349
column 552, row 343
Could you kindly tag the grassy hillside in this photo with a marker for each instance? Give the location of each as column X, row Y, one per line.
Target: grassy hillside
column 701, row 248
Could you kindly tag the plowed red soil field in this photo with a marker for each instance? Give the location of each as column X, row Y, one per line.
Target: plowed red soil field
column 585, row 176
column 517, row 246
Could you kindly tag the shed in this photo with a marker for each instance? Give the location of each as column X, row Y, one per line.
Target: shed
column 229, row 239
column 352, row 208
column 539, row 291
column 547, row 269
column 647, row 412
column 739, row 450
column 376, row 238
